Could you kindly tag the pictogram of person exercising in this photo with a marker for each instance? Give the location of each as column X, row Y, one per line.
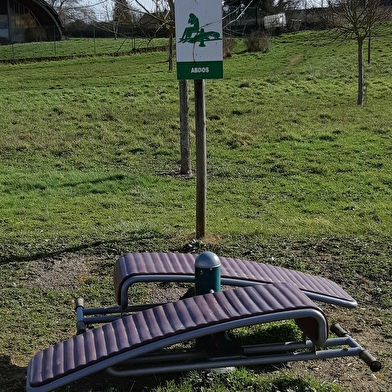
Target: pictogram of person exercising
column 193, row 29
column 194, row 33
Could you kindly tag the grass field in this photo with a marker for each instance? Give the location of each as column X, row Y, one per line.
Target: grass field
column 298, row 175
column 76, row 47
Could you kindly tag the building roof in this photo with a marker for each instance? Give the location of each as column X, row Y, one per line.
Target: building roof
column 45, row 14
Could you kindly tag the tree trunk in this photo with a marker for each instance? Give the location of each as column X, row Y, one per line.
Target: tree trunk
column 185, row 145
column 360, row 71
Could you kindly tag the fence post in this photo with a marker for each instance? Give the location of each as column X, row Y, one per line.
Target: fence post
column 94, row 40
column 54, row 41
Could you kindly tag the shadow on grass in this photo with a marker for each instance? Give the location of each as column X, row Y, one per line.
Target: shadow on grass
column 12, row 377
column 139, row 241
column 43, row 254
column 104, row 382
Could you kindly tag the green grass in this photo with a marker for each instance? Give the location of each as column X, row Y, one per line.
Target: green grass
column 288, row 148
column 298, row 175
column 241, row 380
column 77, row 47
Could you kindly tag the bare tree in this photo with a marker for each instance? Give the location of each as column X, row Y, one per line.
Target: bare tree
column 117, row 13
column 164, row 14
column 355, row 19
column 162, row 17
column 121, row 14
column 72, row 10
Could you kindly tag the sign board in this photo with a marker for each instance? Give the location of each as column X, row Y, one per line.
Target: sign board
column 199, row 41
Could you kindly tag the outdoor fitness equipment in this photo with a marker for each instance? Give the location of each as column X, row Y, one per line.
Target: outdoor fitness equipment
column 141, row 339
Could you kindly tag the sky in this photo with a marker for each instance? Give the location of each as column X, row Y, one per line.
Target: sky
column 101, row 6
column 147, row 3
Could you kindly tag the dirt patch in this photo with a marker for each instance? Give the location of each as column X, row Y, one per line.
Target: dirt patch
column 294, row 60
column 60, row 272
column 367, row 327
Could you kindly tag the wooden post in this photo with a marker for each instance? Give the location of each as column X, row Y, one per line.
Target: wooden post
column 185, row 144
column 201, row 158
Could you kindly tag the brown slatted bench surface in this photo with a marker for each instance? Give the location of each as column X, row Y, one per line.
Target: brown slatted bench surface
column 135, row 267
column 168, row 324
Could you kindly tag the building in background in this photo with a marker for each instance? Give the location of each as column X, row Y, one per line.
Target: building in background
column 28, row 21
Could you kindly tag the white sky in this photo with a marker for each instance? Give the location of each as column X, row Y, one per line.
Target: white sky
column 101, row 7
column 147, row 3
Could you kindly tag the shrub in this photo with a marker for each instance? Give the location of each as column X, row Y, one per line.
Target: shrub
column 257, row 42
column 228, row 46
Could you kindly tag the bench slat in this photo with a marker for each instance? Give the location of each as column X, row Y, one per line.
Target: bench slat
column 133, row 265
column 131, row 336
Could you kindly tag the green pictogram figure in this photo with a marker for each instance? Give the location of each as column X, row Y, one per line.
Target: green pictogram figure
column 195, row 34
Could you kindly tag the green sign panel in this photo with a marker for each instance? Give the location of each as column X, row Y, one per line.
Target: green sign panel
column 200, row 70
column 199, row 44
